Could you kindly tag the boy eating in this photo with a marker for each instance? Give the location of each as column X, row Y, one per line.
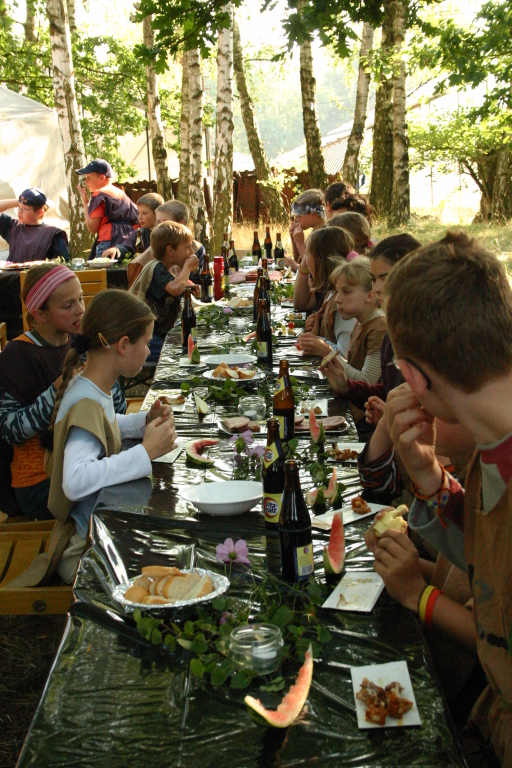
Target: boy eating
column 138, row 241
column 308, row 212
column 449, row 314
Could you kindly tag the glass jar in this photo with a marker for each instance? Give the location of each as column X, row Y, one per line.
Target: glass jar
column 253, row 407
column 257, row 647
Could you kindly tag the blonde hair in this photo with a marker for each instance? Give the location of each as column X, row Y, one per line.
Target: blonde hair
column 356, row 272
column 31, row 278
column 175, row 210
column 358, row 227
column 169, row 233
column 328, row 246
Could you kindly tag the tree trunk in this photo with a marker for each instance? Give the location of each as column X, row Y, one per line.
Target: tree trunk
column 183, row 184
column 271, row 194
column 502, row 189
column 69, row 121
column 382, row 159
column 30, row 22
column 71, row 15
column 196, row 146
column 316, row 165
column 401, row 194
column 350, row 173
column 223, row 178
column 156, row 128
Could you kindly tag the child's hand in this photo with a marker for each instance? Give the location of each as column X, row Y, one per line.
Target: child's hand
column 298, row 235
column 336, row 376
column 374, row 409
column 192, row 263
column 397, row 562
column 370, row 538
column 110, row 253
column 160, row 437
column 312, row 324
column 289, row 261
column 312, row 345
column 159, row 411
column 83, row 194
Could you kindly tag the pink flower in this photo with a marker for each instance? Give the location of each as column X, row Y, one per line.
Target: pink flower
column 225, row 617
column 227, row 310
column 233, row 553
column 256, row 451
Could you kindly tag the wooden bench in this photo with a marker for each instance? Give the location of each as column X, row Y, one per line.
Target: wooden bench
column 20, row 543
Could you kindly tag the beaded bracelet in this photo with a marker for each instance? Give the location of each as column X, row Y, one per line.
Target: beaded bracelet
column 426, row 604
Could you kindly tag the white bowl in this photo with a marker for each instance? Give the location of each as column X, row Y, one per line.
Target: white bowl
column 231, row 497
column 229, row 359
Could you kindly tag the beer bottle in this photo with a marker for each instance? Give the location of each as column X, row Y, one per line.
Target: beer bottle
column 263, row 334
column 233, row 260
column 295, row 529
column 267, row 244
column 225, row 277
column 257, row 295
column 225, row 241
column 284, row 402
column 279, row 252
column 256, row 250
column 206, row 282
column 272, row 475
column 264, row 293
column 188, row 321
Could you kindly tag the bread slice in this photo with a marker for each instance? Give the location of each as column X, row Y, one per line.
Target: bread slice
column 144, row 582
column 162, row 584
column 246, row 373
column 202, row 588
column 159, row 570
column 136, row 594
column 219, row 372
column 179, row 588
column 156, row 600
column 232, row 374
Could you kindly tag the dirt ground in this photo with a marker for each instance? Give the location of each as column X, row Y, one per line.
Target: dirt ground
column 28, row 645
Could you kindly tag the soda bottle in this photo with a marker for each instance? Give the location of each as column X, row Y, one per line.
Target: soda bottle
column 257, row 295
column 272, row 475
column 284, row 402
column 188, row 321
column 256, row 250
column 233, row 259
column 295, row 529
column 218, row 269
column 279, row 252
column 267, row 244
column 263, row 334
column 206, row 281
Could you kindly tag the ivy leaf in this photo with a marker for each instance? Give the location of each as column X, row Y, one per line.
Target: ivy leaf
column 170, row 642
column 282, row 616
column 240, row 680
column 185, row 387
column 189, row 629
column 277, row 684
column 197, row 668
column 221, row 672
column 187, row 644
column 225, row 630
column 156, row 637
column 218, row 604
column 323, row 634
column 199, row 645
column 137, row 616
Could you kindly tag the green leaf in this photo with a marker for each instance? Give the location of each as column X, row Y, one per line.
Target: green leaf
column 185, row 387
column 137, row 616
column 189, row 629
column 170, row 642
column 225, row 630
column 197, row 668
column 218, row 604
column 240, row 680
column 156, row 637
column 275, row 685
column 187, row 644
column 282, row 616
column 199, row 645
column 323, row 634
column 221, row 672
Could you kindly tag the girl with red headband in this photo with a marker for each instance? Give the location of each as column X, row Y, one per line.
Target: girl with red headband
column 30, row 374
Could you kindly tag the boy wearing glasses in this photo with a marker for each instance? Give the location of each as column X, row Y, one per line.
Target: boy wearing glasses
column 449, row 313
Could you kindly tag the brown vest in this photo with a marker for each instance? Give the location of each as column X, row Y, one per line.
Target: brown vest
column 365, row 338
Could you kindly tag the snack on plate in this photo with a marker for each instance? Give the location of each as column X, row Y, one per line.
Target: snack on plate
column 159, row 585
column 345, row 454
column 383, row 702
column 171, row 399
column 391, row 520
column 360, row 506
column 223, row 371
column 328, row 358
column 236, row 423
column 254, row 426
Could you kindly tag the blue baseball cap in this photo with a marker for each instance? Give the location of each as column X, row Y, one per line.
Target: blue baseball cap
column 34, row 197
column 97, row 166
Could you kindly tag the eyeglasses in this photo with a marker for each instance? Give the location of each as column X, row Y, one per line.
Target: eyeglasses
column 415, row 365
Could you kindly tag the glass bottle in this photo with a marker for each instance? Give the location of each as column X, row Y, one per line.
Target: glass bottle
column 256, row 295
column 284, row 402
column 279, row 252
column 267, row 244
column 188, row 321
column 233, row 259
column 272, row 475
column 206, row 281
column 295, row 529
column 256, row 250
column 263, row 334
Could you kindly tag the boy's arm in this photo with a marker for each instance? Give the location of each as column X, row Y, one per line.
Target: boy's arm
column 92, row 224
column 6, row 204
column 177, row 286
column 59, row 247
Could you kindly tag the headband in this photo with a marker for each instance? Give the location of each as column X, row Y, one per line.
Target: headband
column 46, row 285
column 303, row 210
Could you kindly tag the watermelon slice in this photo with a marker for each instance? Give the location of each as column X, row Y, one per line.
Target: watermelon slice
column 193, row 351
column 194, row 450
column 334, row 553
column 316, row 498
column 330, row 493
column 317, row 432
column 191, row 346
column 291, row 705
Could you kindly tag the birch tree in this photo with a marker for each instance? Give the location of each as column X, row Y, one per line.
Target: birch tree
column 71, row 15
column 196, row 146
column 400, row 196
column 183, row 184
column 316, row 166
column 382, row 158
column 30, row 21
column 223, row 178
column 271, row 195
column 156, row 128
column 350, row 173
column 69, row 121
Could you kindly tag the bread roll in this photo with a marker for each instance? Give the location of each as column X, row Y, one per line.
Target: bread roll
column 156, row 600
column 159, row 571
column 203, row 587
column 136, row 594
column 144, row 582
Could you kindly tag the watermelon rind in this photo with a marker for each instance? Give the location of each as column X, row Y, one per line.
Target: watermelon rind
column 191, row 347
column 334, row 552
column 193, row 449
column 330, row 492
column 292, row 703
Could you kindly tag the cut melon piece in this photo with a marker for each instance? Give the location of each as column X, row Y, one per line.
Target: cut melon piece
column 317, row 432
column 334, row 552
column 316, row 498
column 194, row 450
column 291, row 705
column 391, row 520
column 191, row 346
column 202, row 407
column 193, row 351
column 330, row 493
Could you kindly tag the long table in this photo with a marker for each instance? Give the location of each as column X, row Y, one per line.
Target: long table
column 112, row 699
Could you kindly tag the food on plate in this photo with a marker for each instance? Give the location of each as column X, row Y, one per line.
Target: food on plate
column 254, row 426
column 172, row 399
column 239, row 302
column 381, row 703
column 223, row 371
column 237, row 277
column 202, row 407
column 342, row 454
column 167, row 585
column 328, row 358
column 194, row 450
column 391, row 520
column 236, row 423
column 299, row 418
column 360, row 506
column 329, row 423
column 305, row 408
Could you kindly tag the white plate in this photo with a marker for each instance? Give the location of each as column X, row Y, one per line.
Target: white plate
column 220, row 585
column 154, row 394
column 227, row 431
column 357, row 591
column 349, row 516
column 235, row 359
column 359, row 447
column 170, row 458
column 184, row 362
column 308, row 404
column 258, row 376
column 99, row 263
column 382, row 675
column 231, row 497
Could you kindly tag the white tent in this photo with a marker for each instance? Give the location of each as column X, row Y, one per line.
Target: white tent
column 31, row 153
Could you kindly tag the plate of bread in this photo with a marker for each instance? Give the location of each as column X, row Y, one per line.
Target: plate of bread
column 159, row 586
column 236, row 373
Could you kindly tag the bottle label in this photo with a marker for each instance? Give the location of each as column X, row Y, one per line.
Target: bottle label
column 232, row 270
column 261, row 349
column 209, row 291
column 279, row 386
column 304, row 565
column 285, row 427
column 271, row 454
column 272, row 503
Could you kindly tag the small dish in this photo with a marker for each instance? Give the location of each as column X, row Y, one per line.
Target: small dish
column 229, row 359
column 349, row 516
column 358, row 591
column 257, row 647
column 253, row 407
column 258, row 376
column 382, row 675
column 220, row 586
column 231, row 497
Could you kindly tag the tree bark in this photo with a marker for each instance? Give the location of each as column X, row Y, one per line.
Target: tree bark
column 382, row 159
column 502, row 189
column 183, row 184
column 350, row 173
column 271, row 194
column 30, row 22
column 71, row 15
column 156, row 128
column 196, row 146
column 223, row 176
column 69, row 121
column 401, row 194
column 316, row 165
